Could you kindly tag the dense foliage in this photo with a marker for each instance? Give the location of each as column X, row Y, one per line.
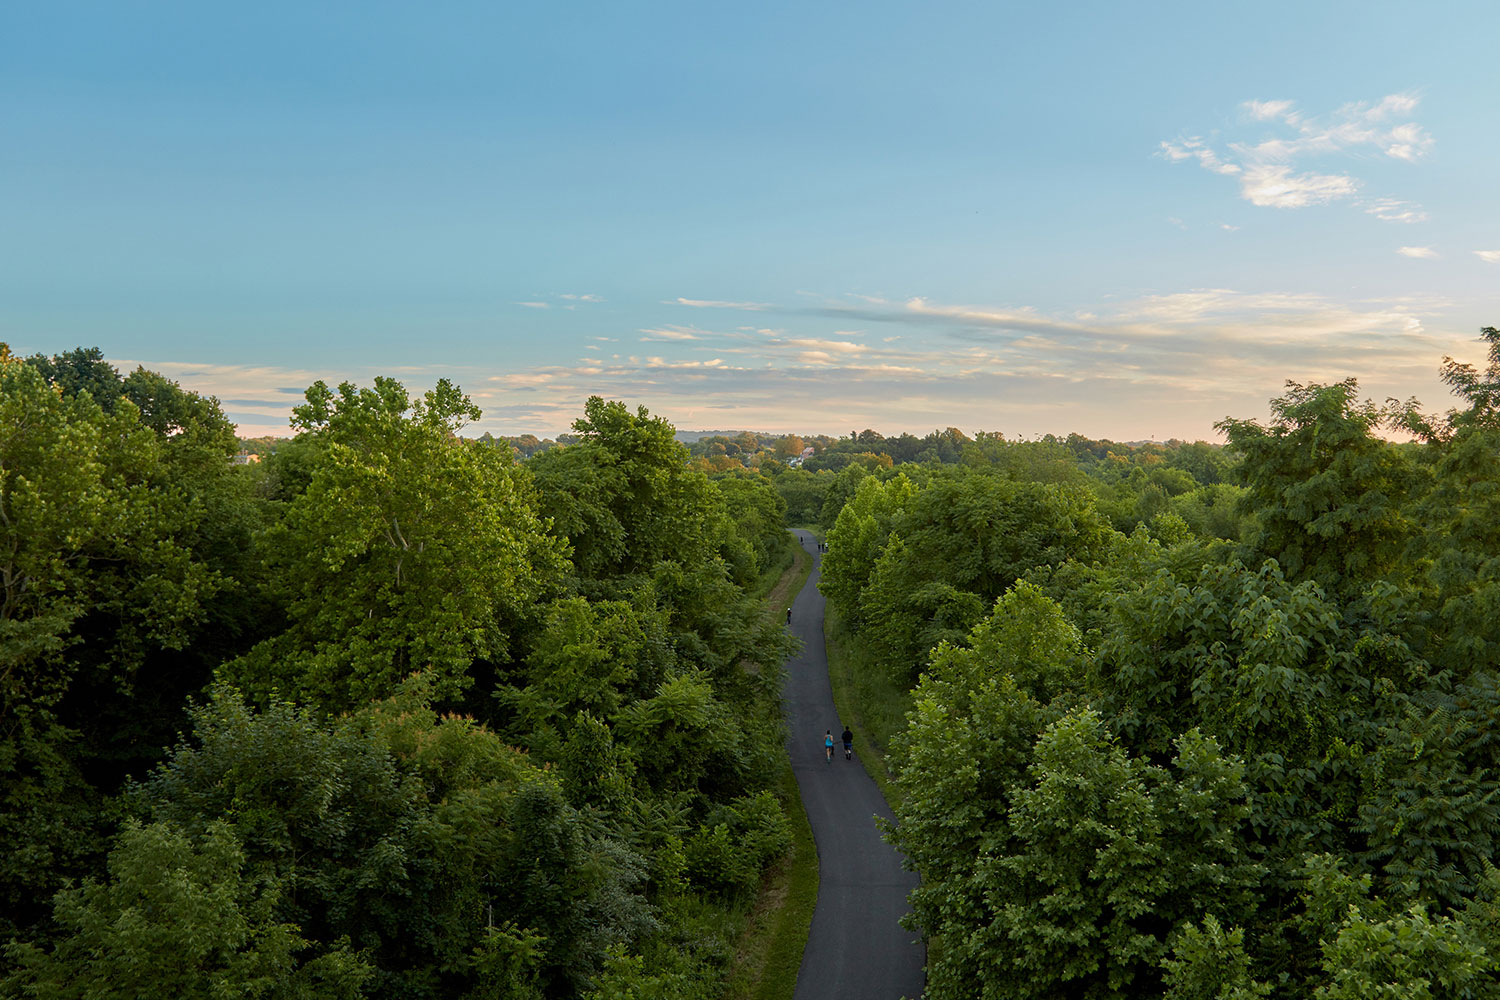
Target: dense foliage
column 394, row 713
column 1244, row 746
column 404, row 718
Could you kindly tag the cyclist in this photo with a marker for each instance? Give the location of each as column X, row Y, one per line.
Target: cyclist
column 828, row 745
column 848, row 739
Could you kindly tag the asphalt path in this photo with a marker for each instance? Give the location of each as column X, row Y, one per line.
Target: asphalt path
column 856, row 948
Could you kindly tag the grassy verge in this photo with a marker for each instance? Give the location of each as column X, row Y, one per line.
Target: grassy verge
column 769, row 951
column 774, row 576
column 869, row 698
column 780, row 594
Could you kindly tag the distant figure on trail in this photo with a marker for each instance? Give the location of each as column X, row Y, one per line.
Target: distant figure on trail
column 848, row 739
column 788, row 616
column 828, row 744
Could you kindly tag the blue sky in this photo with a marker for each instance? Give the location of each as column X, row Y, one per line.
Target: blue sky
column 1123, row 220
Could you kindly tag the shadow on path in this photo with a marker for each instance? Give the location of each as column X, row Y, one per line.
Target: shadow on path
column 856, row 949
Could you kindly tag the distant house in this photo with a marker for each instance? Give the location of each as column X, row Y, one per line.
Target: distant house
column 244, row 458
column 796, row 461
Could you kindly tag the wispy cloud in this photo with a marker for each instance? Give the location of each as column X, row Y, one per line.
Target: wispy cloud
column 1266, row 167
column 1421, row 253
column 1265, row 111
column 671, row 333
column 535, row 305
column 1393, row 210
column 717, row 304
column 580, row 298
column 1488, row 256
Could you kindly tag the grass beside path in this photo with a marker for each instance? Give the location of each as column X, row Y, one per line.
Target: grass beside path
column 769, row 952
column 868, row 698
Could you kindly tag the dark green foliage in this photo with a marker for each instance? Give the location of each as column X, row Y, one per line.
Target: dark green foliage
column 1028, row 820
column 1326, row 493
column 804, row 494
column 726, row 853
column 81, row 370
column 121, row 537
column 1264, row 770
column 623, row 495
column 915, row 566
column 185, row 919
column 409, row 837
column 1460, row 550
column 753, row 535
column 355, row 841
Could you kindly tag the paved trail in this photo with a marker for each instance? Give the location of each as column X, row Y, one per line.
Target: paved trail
column 856, row 950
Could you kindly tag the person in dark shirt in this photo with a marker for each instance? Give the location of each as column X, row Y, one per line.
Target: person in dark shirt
column 848, row 744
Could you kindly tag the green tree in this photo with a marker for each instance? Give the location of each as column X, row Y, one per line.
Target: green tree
column 1326, row 493
column 411, row 551
column 964, row 540
column 804, row 493
column 1052, row 860
column 1459, row 547
column 82, row 369
column 97, row 578
column 1370, row 949
column 181, row 919
column 752, row 532
column 623, row 496
column 859, row 534
column 437, row 851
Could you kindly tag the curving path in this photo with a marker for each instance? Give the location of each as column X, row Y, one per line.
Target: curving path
column 856, row 948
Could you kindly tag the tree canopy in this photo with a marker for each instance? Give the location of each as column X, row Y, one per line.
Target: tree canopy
column 387, row 714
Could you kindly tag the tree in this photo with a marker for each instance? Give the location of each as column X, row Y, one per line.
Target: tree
column 1461, row 514
column 181, row 919
column 858, row 536
column 804, row 493
column 1326, row 493
column 623, row 496
column 1052, row 860
column 964, row 540
column 97, row 578
column 411, row 551
column 437, row 851
column 789, row 446
column 82, row 369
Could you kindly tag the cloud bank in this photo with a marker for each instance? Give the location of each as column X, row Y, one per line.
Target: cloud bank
column 1157, row 366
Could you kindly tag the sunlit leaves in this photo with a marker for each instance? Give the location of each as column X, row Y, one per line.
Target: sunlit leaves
column 410, row 552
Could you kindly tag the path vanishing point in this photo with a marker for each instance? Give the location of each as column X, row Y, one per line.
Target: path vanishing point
column 856, row 949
